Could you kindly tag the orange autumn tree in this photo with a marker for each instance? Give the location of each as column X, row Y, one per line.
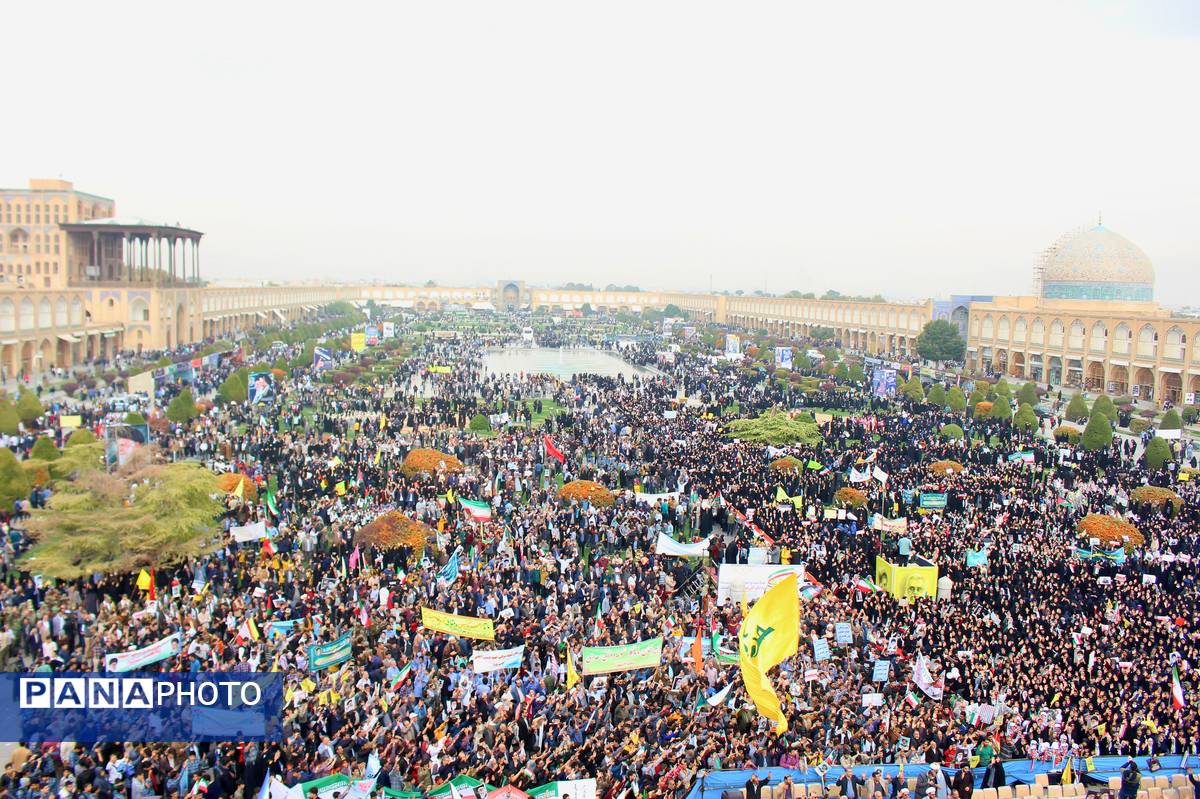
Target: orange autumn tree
column 945, row 467
column 393, row 529
column 579, row 490
column 1110, row 530
column 850, row 497
column 431, row 461
column 787, row 464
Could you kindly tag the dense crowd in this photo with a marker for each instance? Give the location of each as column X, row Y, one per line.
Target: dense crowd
column 1033, row 651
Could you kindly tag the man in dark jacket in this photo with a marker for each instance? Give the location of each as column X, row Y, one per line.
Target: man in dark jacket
column 754, row 787
column 851, row 785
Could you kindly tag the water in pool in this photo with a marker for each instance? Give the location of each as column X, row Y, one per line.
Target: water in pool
column 561, row 363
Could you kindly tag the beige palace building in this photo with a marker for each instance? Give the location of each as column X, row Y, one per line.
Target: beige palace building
column 79, row 283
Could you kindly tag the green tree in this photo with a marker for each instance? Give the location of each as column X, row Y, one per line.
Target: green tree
column 1105, row 406
column 857, row 375
column 182, row 408
column 842, row 372
column 44, row 449
column 1098, row 433
column 1028, row 394
column 81, row 437
column 937, row 395
column 1001, row 409
column 14, row 481
column 821, row 333
column 9, row 421
column 951, row 431
column 940, row 341
column 234, row 388
column 135, row 418
column 672, row 310
column 480, row 424
column 956, row 400
column 29, row 407
column 1077, row 409
column 92, row 525
column 1171, row 421
column 1025, row 419
column 1157, row 454
column 913, row 389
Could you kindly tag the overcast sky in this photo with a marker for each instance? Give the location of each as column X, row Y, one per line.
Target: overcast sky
column 912, row 149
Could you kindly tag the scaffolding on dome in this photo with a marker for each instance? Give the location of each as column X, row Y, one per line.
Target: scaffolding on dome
column 1039, row 268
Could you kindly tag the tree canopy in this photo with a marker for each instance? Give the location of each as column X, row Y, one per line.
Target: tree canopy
column 92, row 525
column 776, row 428
column 940, row 341
column 1098, row 433
column 1157, row 454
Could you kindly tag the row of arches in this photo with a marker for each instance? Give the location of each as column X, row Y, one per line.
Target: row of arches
column 879, row 315
column 1149, row 341
column 1140, row 381
column 37, row 355
column 26, row 314
column 895, row 344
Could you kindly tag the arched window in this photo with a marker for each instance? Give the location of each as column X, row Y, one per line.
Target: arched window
column 139, row 310
column 1099, row 340
column 8, row 316
column 1037, row 332
column 1076, row 339
column 1019, row 330
column 1147, row 344
column 988, row 330
column 45, row 313
column 1121, row 338
column 1056, row 333
column 1002, row 329
column 1176, row 344
column 26, row 318
column 76, row 311
column 60, row 312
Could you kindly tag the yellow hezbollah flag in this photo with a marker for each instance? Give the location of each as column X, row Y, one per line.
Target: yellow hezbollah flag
column 770, row 634
column 572, row 675
column 143, row 580
column 462, row 626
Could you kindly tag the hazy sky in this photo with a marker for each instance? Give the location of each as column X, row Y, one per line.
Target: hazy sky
column 912, row 149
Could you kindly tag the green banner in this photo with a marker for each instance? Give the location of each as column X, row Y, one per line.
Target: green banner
column 327, row 787
column 626, row 657
column 930, row 500
column 322, row 656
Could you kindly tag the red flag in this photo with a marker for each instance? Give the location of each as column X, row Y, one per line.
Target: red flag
column 552, row 450
column 698, row 650
column 153, row 594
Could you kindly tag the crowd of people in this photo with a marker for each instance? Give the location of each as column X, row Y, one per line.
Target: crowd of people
column 1031, row 651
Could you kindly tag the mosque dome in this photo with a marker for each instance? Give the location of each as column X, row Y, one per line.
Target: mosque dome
column 1097, row 264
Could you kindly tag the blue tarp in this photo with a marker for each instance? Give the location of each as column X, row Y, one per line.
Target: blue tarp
column 1015, row 771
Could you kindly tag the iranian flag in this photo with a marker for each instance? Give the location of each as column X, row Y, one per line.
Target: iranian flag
column 400, row 678
column 866, row 585
column 912, row 699
column 1177, row 698
column 551, row 450
column 479, row 511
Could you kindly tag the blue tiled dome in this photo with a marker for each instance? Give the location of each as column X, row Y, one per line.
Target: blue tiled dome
column 1098, row 264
